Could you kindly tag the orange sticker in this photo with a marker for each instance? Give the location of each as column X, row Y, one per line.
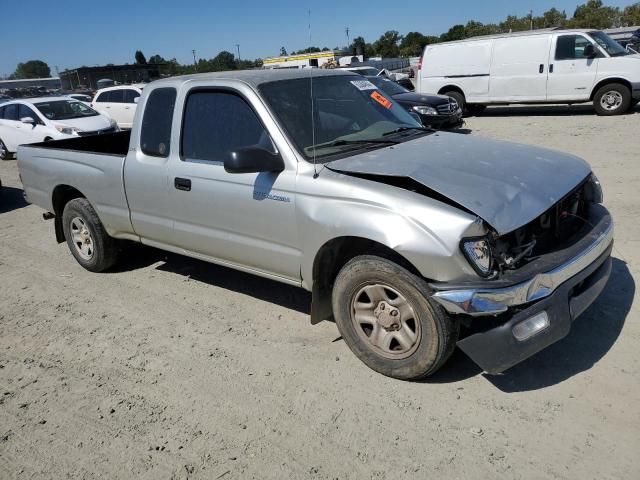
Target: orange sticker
column 381, row 99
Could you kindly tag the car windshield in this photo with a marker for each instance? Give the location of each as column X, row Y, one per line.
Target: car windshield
column 349, row 114
column 388, row 86
column 365, row 71
column 612, row 47
column 65, row 109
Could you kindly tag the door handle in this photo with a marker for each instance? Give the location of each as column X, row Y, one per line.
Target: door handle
column 541, row 69
column 551, row 68
column 182, row 184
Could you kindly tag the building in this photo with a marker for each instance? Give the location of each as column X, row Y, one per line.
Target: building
column 48, row 83
column 315, row 59
column 87, row 77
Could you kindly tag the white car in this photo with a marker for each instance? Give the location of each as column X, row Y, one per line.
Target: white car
column 48, row 118
column 118, row 103
column 559, row 66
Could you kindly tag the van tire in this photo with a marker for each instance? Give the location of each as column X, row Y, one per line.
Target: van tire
column 612, row 99
column 432, row 334
column 458, row 97
column 79, row 219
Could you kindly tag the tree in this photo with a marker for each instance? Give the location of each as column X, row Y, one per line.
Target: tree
column 594, row 15
column 32, row 69
column 140, row 58
column 387, row 44
column 283, row 52
column 224, row 61
column 413, row 44
column 156, row 59
column 457, row 32
column 358, row 46
column 551, row 18
column 631, row 15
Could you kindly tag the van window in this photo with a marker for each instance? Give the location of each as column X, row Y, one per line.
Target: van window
column 116, row 96
column 155, row 136
column 216, row 123
column 11, row 112
column 103, row 97
column 571, row 47
column 130, row 96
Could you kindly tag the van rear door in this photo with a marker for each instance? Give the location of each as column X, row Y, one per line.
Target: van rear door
column 519, row 68
column 572, row 74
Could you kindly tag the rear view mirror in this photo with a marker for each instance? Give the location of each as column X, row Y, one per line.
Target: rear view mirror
column 28, row 120
column 253, row 160
column 590, row 51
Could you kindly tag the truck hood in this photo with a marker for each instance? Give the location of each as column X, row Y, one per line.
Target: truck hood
column 506, row 184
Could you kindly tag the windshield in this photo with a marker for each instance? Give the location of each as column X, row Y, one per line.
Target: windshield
column 612, row 47
column 364, row 71
column 350, row 114
column 65, row 109
column 388, row 86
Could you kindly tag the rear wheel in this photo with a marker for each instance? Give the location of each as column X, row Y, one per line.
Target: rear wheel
column 86, row 237
column 612, row 99
column 458, row 97
column 4, row 153
column 386, row 317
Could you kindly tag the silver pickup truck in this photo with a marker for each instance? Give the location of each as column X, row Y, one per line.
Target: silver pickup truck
column 412, row 241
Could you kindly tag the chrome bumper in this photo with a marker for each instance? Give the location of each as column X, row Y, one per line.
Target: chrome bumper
column 486, row 301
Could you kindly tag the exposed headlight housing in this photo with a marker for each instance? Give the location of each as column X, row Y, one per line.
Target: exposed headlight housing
column 478, row 253
column 67, row 130
column 593, row 190
column 424, row 110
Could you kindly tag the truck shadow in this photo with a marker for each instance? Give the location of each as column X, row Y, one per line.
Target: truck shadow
column 544, row 110
column 287, row 296
column 11, row 199
column 592, row 336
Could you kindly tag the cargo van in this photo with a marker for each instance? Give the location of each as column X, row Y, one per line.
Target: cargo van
column 545, row 66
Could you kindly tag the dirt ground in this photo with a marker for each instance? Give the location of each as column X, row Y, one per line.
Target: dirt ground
column 173, row 368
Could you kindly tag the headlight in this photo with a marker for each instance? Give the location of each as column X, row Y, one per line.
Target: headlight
column 593, row 190
column 67, row 130
column 423, row 110
column 478, row 253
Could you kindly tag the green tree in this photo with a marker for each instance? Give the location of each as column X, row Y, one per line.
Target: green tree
column 156, row 59
column 140, row 58
column 358, row 46
column 32, row 69
column 224, row 61
column 283, row 52
column 457, row 32
column 413, row 44
column 387, row 44
column 594, row 14
column 631, row 15
column 551, row 18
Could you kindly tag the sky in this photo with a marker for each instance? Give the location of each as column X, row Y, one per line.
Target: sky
column 70, row 34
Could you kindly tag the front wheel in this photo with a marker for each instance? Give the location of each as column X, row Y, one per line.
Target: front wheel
column 86, row 237
column 386, row 317
column 612, row 99
column 4, row 152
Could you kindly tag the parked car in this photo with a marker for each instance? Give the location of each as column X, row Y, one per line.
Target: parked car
column 118, row 103
column 81, row 97
column 48, row 118
column 402, row 234
column 401, row 79
column 563, row 66
column 436, row 111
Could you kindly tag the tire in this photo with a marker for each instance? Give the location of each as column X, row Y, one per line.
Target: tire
column 429, row 334
column 80, row 222
column 612, row 99
column 458, row 97
column 475, row 108
column 5, row 154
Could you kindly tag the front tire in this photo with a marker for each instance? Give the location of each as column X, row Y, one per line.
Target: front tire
column 4, row 152
column 386, row 317
column 612, row 99
column 86, row 237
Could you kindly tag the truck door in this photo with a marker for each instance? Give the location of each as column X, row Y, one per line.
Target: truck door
column 245, row 220
column 571, row 74
column 519, row 68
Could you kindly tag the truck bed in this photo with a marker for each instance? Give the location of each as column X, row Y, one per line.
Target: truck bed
column 109, row 144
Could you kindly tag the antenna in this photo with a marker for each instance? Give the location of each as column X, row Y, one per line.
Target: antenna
column 313, row 120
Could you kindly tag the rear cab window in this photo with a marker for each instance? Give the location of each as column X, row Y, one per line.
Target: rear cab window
column 155, row 133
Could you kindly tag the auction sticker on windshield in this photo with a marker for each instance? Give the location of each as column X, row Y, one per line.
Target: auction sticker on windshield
column 363, row 85
column 385, row 102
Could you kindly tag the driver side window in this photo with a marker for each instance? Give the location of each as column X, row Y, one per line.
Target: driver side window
column 571, row 47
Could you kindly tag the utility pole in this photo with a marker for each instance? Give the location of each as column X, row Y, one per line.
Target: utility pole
column 346, row 30
column 238, row 47
column 531, row 18
column 195, row 64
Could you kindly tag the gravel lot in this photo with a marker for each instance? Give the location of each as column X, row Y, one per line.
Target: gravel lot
column 174, row 368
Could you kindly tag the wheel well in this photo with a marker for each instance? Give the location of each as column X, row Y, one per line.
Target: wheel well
column 608, row 81
column 451, row 88
column 62, row 195
column 330, row 259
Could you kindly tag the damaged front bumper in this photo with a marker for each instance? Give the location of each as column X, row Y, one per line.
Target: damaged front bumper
column 542, row 298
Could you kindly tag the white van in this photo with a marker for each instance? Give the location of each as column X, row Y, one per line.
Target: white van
column 546, row 66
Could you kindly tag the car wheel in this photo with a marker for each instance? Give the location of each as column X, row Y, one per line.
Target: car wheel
column 4, row 153
column 86, row 237
column 458, row 97
column 612, row 99
column 386, row 317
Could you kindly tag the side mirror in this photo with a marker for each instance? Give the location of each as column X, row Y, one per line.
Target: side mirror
column 253, row 160
column 590, row 51
column 28, row 120
column 136, row 100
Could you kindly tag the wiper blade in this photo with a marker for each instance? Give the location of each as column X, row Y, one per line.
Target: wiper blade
column 338, row 143
column 405, row 129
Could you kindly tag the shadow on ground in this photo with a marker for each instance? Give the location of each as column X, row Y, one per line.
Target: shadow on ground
column 11, row 199
column 138, row 256
column 592, row 336
column 544, row 110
